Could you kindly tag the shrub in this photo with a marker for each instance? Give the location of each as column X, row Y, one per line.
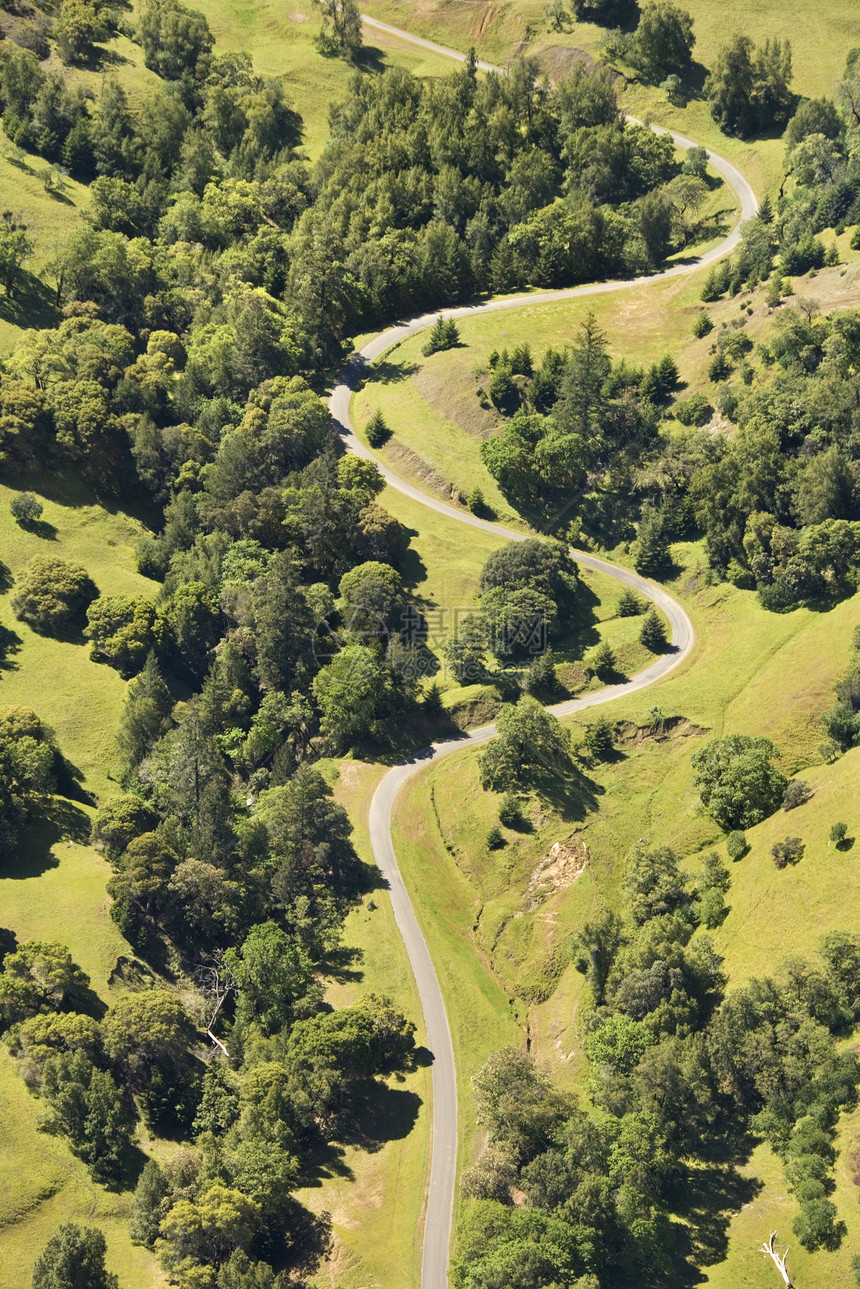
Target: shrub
column 602, row 661
column 53, row 596
column 599, row 738
column 444, row 334
column 695, row 410
column 788, row 851
column 629, row 604
column 25, row 508
column 510, row 812
column 838, row 833
column 653, row 632
column 702, row 325
column 377, row 430
column 495, row 840
column 796, row 794
column 475, row 502
column 736, row 844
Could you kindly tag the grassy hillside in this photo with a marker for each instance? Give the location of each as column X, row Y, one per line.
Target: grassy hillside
column 501, row 920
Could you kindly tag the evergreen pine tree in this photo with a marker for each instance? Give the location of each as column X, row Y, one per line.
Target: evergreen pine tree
column 377, row 430
column 652, row 632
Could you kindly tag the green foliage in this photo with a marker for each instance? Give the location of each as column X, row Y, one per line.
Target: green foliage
column 652, row 633
column 601, row 660
column 148, row 1207
column 52, row 595
column 702, row 326
column 377, row 430
column 17, row 245
column 629, row 605
column 39, row 977
column 73, row 1257
column 736, row 844
column 176, row 42
column 123, row 631
column 664, row 37
column 444, row 334
column 341, row 28
column 747, row 89
column 788, row 851
column 737, row 780
column 91, row 1111
column 531, row 748
column 838, row 833
column 600, row 738
column 25, row 508
column 510, row 811
column 495, row 838
column 796, row 794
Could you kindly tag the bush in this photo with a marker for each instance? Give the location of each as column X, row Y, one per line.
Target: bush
column 443, row 335
column 788, row 851
column 702, row 325
column 377, row 430
column 796, row 794
column 475, row 502
column 736, row 844
column 25, row 508
column 629, row 604
column 601, row 661
column 652, row 633
column 838, row 833
column 510, row 812
column 695, row 410
column 53, row 596
column 599, row 738
column 495, row 840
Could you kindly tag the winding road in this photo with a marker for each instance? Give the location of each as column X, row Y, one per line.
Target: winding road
column 439, row 1206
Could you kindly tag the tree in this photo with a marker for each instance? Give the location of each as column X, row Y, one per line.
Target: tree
column 74, row 1258
column 79, row 28
column 206, row 1230
column 53, row 595
column 747, row 89
column 39, row 976
column 341, row 28
column 351, row 693
column 118, row 822
column 89, row 1108
column 272, row 974
column 16, row 247
column 600, row 738
column 664, row 37
column 444, row 334
column 838, row 833
column 377, row 430
column 736, row 844
column 122, row 629
column 652, row 633
column 737, row 780
column 25, row 509
column 788, row 851
column 655, row 224
column 531, row 747
column 145, row 714
column 629, row 605
column 147, row 1208
column 176, row 42
column 143, row 1031
column 517, row 1104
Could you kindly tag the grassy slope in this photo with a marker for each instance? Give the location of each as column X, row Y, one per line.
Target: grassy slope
column 473, row 898
column 53, row 887
column 375, row 1196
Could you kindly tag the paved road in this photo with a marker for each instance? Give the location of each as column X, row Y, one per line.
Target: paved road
column 443, row 1164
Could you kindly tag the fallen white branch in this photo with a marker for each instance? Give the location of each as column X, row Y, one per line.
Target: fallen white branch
column 778, row 1260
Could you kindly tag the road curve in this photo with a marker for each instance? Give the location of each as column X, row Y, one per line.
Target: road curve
column 443, row 1161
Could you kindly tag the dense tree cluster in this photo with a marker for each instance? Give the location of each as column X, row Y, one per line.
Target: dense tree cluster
column 676, row 1067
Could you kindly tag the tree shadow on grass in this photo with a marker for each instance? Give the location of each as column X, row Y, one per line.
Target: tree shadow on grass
column 39, row 528
column 386, row 372
column 33, row 305
column 10, row 644
column 377, row 1115
column 57, row 820
column 6, row 578
column 707, row 1200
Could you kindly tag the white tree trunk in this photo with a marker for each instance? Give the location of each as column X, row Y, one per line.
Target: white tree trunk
column 778, row 1259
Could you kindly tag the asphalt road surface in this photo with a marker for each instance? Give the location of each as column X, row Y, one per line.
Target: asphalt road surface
column 439, row 1207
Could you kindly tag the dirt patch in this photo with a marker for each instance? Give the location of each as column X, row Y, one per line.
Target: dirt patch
column 456, row 401
column 559, row 60
column 627, row 734
column 564, row 864
column 481, row 22
column 298, row 17
column 413, row 464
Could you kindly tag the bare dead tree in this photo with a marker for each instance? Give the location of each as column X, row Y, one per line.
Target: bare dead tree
column 778, row 1259
column 217, row 983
